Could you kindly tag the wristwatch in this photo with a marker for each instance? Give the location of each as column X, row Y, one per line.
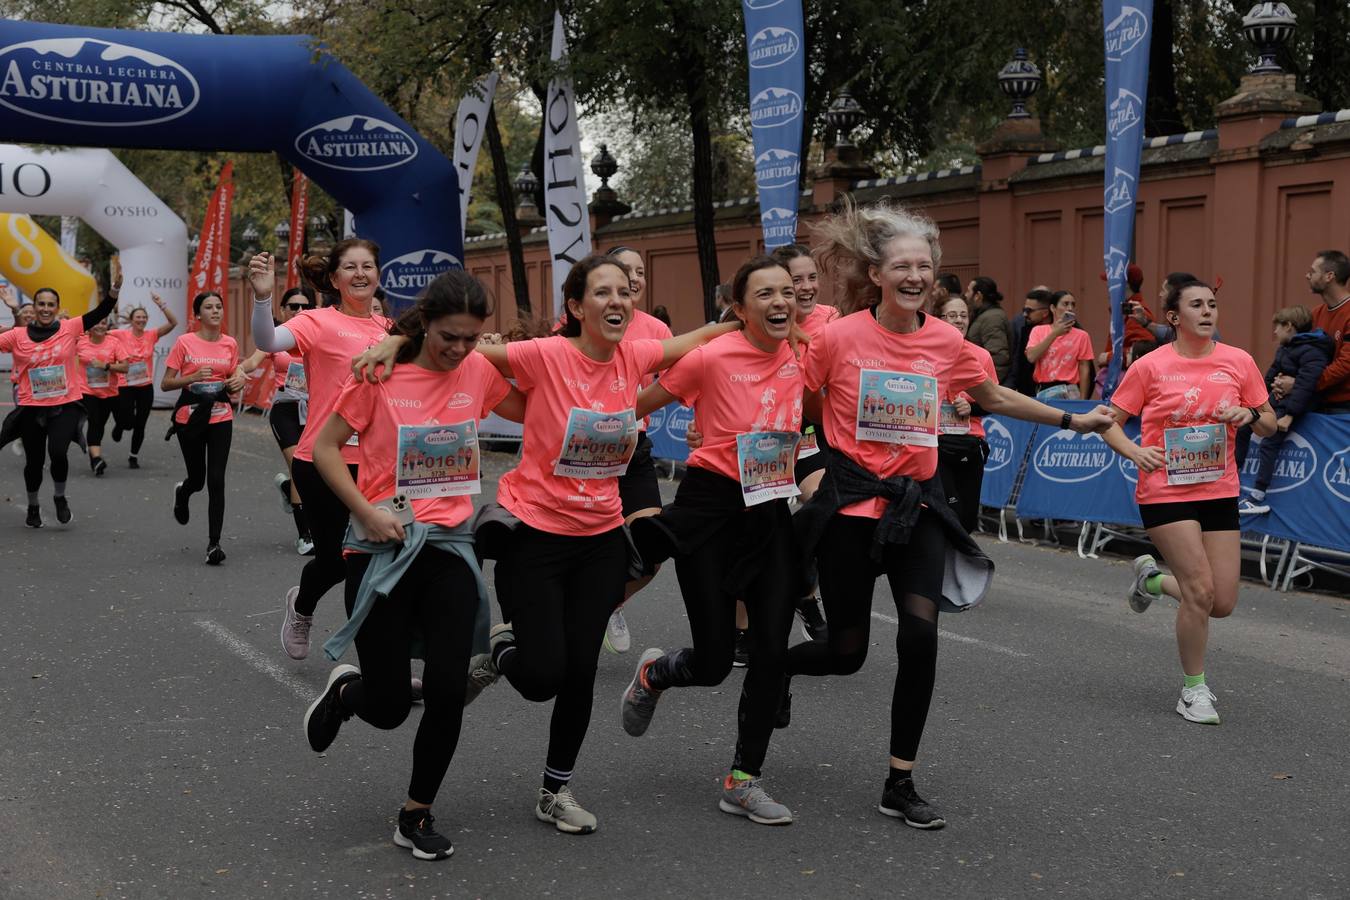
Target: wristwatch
column 1256, row 414
column 1066, row 422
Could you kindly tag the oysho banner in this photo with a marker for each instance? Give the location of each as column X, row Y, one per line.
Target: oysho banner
column 569, row 224
column 470, row 122
column 1128, row 26
column 773, row 37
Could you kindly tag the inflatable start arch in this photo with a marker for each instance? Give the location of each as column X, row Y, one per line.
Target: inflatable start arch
column 111, row 88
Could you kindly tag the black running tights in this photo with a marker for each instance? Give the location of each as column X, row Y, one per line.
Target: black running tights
column 51, row 440
column 97, row 409
column 328, row 519
column 135, row 405
column 205, row 455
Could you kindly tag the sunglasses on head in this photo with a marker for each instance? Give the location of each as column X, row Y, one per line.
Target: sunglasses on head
column 297, row 307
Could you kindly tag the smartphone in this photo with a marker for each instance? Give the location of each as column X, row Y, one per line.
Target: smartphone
column 399, row 505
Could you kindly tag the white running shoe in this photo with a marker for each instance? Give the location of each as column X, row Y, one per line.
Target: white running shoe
column 1249, row 507
column 617, row 638
column 1197, row 705
column 295, row 628
column 304, row 546
column 564, row 812
column 1145, row 567
column 283, row 485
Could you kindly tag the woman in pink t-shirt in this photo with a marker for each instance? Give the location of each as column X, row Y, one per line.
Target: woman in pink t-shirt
column 204, row 366
column 1191, row 396
column 135, row 386
column 326, row 340
column 100, row 360
column 419, row 444
column 730, row 529
column 962, row 450
column 875, row 379
column 1062, row 353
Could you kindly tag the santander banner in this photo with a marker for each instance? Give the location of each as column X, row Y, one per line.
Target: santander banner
column 773, row 37
column 211, row 266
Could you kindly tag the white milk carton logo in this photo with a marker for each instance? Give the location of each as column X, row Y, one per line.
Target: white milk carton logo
column 923, row 366
column 780, row 226
column 406, row 276
column 773, row 46
column 680, row 420
column 1295, row 464
column 1336, row 475
column 1120, row 192
column 459, row 401
column 1125, row 32
column 1125, row 114
column 775, row 168
column 1000, row 441
column 774, row 106
column 356, row 144
column 788, row 370
column 766, row 444
column 441, row 437
column 1067, row 457
column 83, row 81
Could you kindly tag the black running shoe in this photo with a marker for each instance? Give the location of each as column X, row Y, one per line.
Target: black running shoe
column 812, row 619
column 740, row 653
column 180, row 504
column 133, row 463
column 62, row 510
column 34, row 519
column 214, row 555
column 325, row 716
column 417, row 832
column 99, row 466
column 901, row 801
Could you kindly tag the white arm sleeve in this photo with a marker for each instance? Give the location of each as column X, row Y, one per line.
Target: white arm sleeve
column 269, row 337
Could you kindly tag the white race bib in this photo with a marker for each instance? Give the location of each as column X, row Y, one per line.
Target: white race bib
column 597, row 444
column 138, row 373
column 437, row 460
column 897, row 408
column 1196, row 454
column 47, row 381
column 765, row 461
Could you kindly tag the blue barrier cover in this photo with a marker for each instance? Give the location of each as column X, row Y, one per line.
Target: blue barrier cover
column 1309, row 497
column 1007, row 439
column 667, row 427
column 1076, row 476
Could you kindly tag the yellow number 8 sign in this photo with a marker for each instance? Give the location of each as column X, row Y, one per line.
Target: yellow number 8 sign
column 32, row 259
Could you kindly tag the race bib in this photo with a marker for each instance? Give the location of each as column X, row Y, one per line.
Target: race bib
column 765, row 460
column 206, row 388
column 950, row 422
column 296, row 381
column 809, row 444
column 138, row 373
column 1196, row 454
column 897, row 408
column 438, row 460
column 597, row 444
column 96, row 377
column 47, row 381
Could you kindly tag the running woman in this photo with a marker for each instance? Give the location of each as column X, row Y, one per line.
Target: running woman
column 639, row 489
column 204, row 366
column 877, row 377
column 730, row 529
column 100, row 360
column 136, row 389
column 326, row 340
column 962, row 449
column 413, row 578
column 47, row 374
column 1191, row 396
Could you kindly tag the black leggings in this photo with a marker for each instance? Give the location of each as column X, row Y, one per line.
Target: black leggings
column 48, row 440
column 135, row 403
column 436, row 599
column 328, row 518
column 847, row 578
column 205, row 455
column 961, row 466
column 770, row 599
column 558, row 591
column 97, row 409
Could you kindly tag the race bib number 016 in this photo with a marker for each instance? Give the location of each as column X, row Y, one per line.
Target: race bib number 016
column 597, row 444
column 766, row 460
column 1196, row 454
column 897, row 408
column 438, row 460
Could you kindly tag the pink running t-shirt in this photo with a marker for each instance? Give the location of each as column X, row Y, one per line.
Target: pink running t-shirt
column 191, row 352
column 821, row 316
column 558, row 378
column 736, row 388
column 139, row 355
column 1060, row 360
column 327, row 339
column 1176, row 400
column 906, row 374
column 972, row 425
column 99, row 381
column 440, row 462
column 48, row 374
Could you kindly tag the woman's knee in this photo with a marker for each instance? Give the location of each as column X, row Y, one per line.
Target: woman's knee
column 389, row 711
column 1198, row 592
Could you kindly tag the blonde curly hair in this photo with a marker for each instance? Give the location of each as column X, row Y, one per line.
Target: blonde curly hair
column 856, row 237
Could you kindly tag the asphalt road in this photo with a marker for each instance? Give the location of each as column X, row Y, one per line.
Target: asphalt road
column 152, row 745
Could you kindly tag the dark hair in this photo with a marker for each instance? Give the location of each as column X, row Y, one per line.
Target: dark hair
column 950, row 282
column 1338, row 263
column 1060, row 295
column 1041, row 296
column 986, row 288
column 306, row 292
column 1296, row 316
column 660, row 312
column 198, row 300
column 788, row 252
column 622, row 248
column 1175, row 278
column 942, row 304
column 317, row 271
column 1172, row 302
column 748, row 268
column 1141, row 348
column 450, row 293
column 47, row 290
column 574, row 287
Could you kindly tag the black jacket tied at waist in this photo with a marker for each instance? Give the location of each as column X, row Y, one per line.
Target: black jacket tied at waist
column 199, row 417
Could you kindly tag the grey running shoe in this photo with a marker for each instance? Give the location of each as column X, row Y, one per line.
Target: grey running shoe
column 617, row 638
column 283, row 486
column 304, row 546
column 564, row 812
column 325, row 715
column 295, row 628
column 1197, row 705
column 747, row 798
column 416, row 831
column 483, row 674
column 1145, row 567
column 639, row 701
column 901, row 801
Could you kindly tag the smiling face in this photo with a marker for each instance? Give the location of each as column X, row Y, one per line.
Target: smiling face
column 906, row 273
column 767, row 307
column 45, row 307
column 100, row 329
column 25, row 315
column 637, row 274
column 1197, row 312
column 212, row 312
column 957, row 314
column 449, row 340
column 139, row 319
column 357, row 275
column 606, row 306
column 806, row 283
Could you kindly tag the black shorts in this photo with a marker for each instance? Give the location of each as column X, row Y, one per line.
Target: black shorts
column 285, row 421
column 638, row 487
column 1213, row 515
column 816, row 461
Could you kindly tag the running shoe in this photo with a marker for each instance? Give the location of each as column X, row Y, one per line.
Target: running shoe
column 740, row 650
column 283, row 485
column 1145, row 567
column 639, row 701
column 99, row 466
column 180, row 504
column 117, row 434
column 62, row 510
column 745, row 797
column 1197, row 705
column 34, row 519
column 325, row 715
column 1249, row 507
column 812, row 619
column 564, row 812
column 304, row 545
column 214, row 555
column 133, row 462
column 415, row 692
column 295, row 628
column 483, row 674
column 901, row 801
column 617, row 639
column 500, row 634
column 417, row 832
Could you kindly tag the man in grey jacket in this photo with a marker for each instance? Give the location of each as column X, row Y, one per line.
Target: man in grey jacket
column 988, row 325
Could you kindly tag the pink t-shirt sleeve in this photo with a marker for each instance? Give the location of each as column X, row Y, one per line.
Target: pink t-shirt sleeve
column 817, row 362
column 176, row 354
column 1129, row 394
column 648, row 354
column 1253, row 389
column 356, row 404
column 10, row 338
column 1084, row 341
column 303, row 328
column 492, row 387
column 526, row 359
column 968, row 370
column 685, row 378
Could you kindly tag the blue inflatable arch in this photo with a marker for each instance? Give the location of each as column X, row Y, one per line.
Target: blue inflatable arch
column 103, row 87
